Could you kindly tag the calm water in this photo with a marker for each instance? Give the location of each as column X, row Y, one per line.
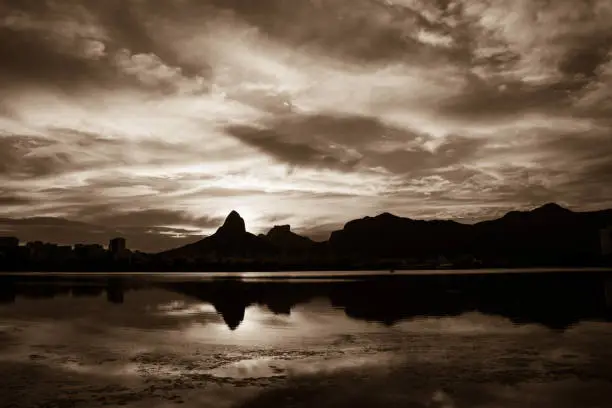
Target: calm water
column 340, row 340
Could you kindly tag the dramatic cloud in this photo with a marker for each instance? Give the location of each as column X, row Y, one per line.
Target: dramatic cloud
column 161, row 117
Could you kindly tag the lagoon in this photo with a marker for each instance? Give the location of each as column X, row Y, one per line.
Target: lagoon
column 408, row 339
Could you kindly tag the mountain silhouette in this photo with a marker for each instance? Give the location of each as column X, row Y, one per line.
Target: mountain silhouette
column 283, row 238
column 230, row 240
column 233, row 226
column 545, row 235
column 390, row 235
column 550, row 235
column 549, row 231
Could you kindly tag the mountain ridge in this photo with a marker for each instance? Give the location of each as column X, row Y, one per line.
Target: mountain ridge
column 547, row 232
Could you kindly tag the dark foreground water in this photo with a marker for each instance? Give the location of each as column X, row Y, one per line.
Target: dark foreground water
column 493, row 340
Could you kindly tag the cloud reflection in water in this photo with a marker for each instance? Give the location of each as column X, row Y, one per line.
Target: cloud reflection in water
column 162, row 345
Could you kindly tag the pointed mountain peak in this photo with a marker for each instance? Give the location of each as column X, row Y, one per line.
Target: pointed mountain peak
column 234, row 223
column 552, row 208
column 233, row 214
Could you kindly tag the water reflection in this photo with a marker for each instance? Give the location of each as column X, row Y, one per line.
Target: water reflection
column 554, row 300
column 437, row 341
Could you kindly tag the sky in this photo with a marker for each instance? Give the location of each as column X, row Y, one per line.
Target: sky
column 157, row 118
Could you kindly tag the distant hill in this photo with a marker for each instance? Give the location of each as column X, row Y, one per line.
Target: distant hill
column 547, row 232
column 284, row 239
column 387, row 235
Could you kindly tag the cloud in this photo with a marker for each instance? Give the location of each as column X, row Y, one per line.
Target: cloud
column 10, row 199
column 31, row 59
column 327, row 140
column 19, row 158
column 294, row 153
column 62, row 231
column 596, row 95
column 120, row 110
column 527, row 172
column 43, row 44
column 78, row 45
column 361, row 30
column 505, row 101
column 152, row 72
column 149, row 218
column 546, row 41
column 421, row 159
column 347, row 130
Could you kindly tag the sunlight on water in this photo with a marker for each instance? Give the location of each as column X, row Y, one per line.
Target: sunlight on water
column 150, row 343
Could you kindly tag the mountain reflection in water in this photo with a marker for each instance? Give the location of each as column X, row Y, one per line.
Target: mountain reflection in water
column 554, row 300
column 424, row 340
